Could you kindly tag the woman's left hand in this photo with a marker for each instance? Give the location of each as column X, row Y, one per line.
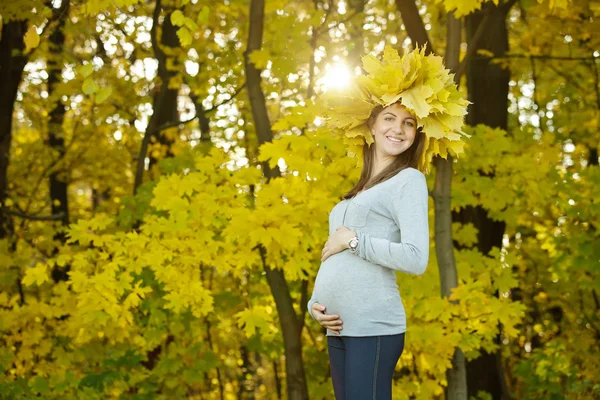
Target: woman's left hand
column 338, row 241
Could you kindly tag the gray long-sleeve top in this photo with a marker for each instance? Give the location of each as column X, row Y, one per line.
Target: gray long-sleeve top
column 391, row 221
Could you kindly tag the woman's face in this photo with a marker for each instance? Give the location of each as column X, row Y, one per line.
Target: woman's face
column 394, row 130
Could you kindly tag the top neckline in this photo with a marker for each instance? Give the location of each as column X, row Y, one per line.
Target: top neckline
column 365, row 190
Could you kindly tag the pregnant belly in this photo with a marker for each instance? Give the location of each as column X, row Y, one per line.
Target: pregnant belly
column 349, row 285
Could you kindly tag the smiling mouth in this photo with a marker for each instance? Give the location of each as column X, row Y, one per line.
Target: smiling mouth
column 394, row 140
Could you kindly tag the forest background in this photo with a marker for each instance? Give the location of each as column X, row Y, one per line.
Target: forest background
column 165, row 180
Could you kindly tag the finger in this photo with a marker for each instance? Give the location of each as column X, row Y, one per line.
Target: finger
column 335, row 323
column 324, row 322
column 318, row 311
column 328, row 254
column 332, row 324
column 330, row 317
column 335, row 329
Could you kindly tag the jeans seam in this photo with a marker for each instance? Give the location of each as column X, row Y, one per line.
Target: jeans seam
column 375, row 369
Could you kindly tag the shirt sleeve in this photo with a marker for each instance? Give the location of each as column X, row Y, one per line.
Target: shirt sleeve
column 409, row 207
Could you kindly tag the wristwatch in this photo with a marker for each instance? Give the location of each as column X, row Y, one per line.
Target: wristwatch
column 353, row 244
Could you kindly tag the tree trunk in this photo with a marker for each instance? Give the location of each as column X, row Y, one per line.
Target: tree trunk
column 99, row 197
column 245, row 390
column 12, row 63
column 164, row 105
column 277, row 379
column 488, row 91
column 456, row 376
column 59, row 199
column 209, row 339
column 415, row 28
column 203, row 123
column 488, row 82
column 165, row 101
column 289, row 321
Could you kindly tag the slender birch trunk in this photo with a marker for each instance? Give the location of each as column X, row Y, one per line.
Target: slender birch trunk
column 291, row 324
column 444, row 247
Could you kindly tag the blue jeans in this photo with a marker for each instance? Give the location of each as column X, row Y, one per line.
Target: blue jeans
column 362, row 367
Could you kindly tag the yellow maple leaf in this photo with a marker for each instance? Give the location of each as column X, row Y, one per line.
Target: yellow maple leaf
column 185, row 36
column 415, row 100
column 253, row 319
column 37, row 275
column 31, row 39
column 260, row 58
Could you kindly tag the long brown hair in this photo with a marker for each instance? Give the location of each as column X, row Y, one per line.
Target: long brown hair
column 406, row 159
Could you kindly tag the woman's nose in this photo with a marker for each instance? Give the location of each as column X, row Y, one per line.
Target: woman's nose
column 397, row 129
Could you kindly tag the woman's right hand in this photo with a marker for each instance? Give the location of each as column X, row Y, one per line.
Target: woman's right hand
column 331, row 322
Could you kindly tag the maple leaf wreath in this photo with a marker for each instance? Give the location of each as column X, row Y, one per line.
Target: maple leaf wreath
column 420, row 82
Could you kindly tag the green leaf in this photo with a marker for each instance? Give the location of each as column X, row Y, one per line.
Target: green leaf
column 40, row 385
column 207, row 362
column 177, row 18
column 185, row 36
column 129, row 360
column 103, row 94
column 203, row 15
column 89, row 86
column 86, row 70
column 190, row 24
column 97, row 381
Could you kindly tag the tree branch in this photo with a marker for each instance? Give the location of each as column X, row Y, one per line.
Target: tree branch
column 237, row 91
column 19, row 214
column 319, row 32
column 414, row 24
column 472, row 47
column 158, row 53
column 541, row 57
column 187, row 121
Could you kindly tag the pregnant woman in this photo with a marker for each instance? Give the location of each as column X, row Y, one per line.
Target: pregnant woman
column 381, row 226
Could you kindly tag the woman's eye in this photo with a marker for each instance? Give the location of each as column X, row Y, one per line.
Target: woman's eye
column 409, row 123
column 389, row 118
